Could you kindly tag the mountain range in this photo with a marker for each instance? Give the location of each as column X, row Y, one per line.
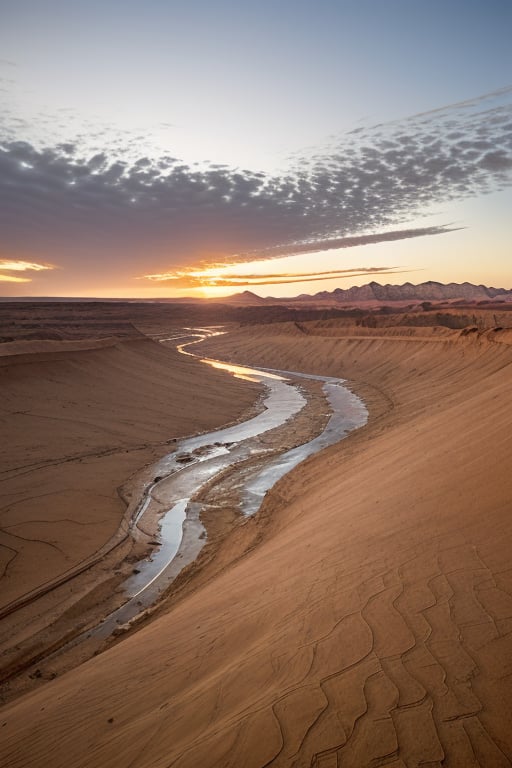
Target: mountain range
column 375, row 293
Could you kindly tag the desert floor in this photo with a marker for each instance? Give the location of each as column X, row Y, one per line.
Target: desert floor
column 362, row 618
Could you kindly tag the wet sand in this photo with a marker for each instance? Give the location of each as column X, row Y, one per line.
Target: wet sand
column 363, row 617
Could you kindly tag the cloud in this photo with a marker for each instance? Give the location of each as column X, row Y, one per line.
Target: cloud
column 22, row 266
column 105, row 209
column 17, row 265
column 194, row 279
column 13, row 279
column 350, row 242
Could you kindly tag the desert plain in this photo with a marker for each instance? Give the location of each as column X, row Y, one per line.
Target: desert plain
column 362, row 618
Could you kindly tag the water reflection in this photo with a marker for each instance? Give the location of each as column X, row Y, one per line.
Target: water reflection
column 198, row 460
column 241, row 371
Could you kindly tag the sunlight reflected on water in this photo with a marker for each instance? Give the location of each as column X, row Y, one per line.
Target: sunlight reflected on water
column 242, row 372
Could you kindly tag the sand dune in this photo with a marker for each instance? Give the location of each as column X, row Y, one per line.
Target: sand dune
column 369, row 621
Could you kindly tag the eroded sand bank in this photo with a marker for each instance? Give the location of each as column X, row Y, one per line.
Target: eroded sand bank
column 370, row 620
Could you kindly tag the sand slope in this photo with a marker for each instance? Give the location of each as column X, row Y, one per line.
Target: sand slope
column 372, row 622
column 78, row 418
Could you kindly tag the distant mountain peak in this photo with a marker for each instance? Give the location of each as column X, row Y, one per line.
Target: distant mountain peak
column 245, row 297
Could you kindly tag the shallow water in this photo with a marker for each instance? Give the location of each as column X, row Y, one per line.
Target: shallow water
column 199, row 459
column 348, row 413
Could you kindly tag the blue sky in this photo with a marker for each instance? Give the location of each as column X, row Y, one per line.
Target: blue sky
column 211, row 95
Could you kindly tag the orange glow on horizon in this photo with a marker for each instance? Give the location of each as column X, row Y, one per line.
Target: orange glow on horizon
column 214, row 280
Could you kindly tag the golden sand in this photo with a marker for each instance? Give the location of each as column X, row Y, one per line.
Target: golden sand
column 369, row 620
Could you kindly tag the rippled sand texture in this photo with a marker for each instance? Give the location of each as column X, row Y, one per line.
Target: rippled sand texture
column 369, row 624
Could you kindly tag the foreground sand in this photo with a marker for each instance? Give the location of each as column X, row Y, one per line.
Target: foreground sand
column 369, row 620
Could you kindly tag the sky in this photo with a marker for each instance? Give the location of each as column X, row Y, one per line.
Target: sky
column 166, row 149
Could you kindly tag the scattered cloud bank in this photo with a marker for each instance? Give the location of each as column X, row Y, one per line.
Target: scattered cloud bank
column 168, row 214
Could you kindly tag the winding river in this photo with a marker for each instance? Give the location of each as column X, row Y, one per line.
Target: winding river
column 198, row 460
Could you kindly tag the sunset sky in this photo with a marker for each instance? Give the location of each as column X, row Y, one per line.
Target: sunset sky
column 168, row 148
